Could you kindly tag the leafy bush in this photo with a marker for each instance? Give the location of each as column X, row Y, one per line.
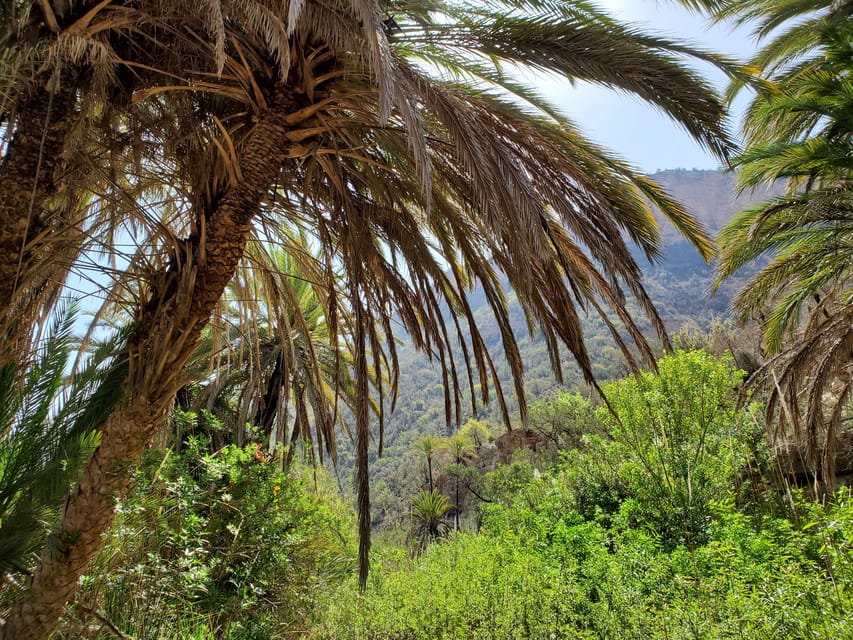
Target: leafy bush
column 636, row 536
column 678, row 440
column 546, row 573
column 218, row 545
column 565, row 419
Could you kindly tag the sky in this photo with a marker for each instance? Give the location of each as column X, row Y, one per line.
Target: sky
column 637, row 132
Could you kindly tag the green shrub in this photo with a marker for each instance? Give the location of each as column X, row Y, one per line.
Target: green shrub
column 635, row 536
column 546, row 573
column 223, row 544
column 678, row 440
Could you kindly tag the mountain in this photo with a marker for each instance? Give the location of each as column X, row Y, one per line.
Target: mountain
column 710, row 196
column 679, row 283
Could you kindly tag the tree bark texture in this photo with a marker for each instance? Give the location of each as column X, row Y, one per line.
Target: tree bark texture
column 166, row 334
column 30, row 172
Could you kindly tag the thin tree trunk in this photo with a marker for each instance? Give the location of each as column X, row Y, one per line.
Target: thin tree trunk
column 456, row 509
column 166, row 334
column 29, row 174
column 268, row 408
column 362, row 437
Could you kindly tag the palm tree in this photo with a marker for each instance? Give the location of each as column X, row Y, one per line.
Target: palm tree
column 67, row 74
column 390, row 132
column 269, row 359
column 459, row 447
column 428, row 509
column 429, row 445
column 799, row 129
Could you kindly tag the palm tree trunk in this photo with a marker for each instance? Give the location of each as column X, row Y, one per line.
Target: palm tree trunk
column 166, row 334
column 28, row 180
column 268, row 408
column 362, row 437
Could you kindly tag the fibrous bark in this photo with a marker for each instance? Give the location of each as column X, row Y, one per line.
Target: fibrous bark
column 30, row 172
column 166, row 333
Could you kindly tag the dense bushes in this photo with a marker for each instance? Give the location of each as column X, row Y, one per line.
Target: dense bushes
column 568, row 578
column 636, row 536
column 677, row 443
column 219, row 545
column 643, row 531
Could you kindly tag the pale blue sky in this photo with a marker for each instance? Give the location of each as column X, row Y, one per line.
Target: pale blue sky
column 622, row 123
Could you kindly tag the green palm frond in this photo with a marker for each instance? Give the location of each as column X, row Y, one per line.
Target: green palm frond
column 272, row 360
column 48, row 430
column 428, row 510
column 769, row 15
column 790, row 32
column 799, row 130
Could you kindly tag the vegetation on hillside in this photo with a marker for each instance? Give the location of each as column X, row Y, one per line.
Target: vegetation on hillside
column 667, row 520
column 664, row 528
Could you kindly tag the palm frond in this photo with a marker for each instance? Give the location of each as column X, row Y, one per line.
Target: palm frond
column 49, row 428
column 798, row 130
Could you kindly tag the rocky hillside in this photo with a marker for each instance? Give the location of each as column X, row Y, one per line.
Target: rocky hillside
column 711, row 196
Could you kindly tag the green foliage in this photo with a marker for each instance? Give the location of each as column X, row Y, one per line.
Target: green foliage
column 476, row 432
column 428, row 509
column 565, row 419
column 680, row 441
column 507, row 479
column 48, row 429
column 679, row 284
column 218, row 545
column 458, row 446
column 429, row 445
column 798, row 129
column 638, row 535
column 545, row 572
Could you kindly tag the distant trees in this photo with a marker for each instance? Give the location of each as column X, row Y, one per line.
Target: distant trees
column 564, row 419
column 459, row 447
column 428, row 445
column 453, row 452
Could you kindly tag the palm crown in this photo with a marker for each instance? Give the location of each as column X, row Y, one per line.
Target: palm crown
column 797, row 129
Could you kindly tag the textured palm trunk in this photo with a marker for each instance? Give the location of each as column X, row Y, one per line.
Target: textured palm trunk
column 267, row 410
column 29, row 175
column 166, row 334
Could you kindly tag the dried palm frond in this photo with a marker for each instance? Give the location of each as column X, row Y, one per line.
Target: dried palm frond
column 809, row 384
